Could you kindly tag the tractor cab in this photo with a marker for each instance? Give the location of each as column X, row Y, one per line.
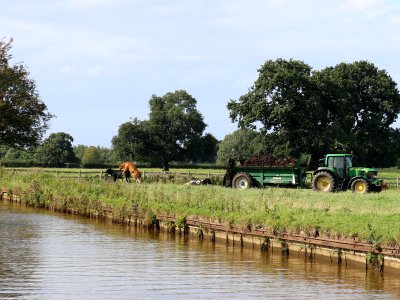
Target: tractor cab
column 340, row 163
column 338, row 173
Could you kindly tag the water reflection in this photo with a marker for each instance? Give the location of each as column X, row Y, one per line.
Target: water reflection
column 51, row 256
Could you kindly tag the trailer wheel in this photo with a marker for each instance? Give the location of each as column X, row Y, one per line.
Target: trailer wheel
column 241, row 181
column 360, row 186
column 323, row 182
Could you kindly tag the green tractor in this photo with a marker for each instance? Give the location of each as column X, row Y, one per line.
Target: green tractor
column 338, row 173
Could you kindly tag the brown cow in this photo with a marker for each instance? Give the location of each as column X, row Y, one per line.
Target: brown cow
column 129, row 168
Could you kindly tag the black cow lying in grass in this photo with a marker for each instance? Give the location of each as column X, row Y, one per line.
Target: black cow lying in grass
column 118, row 174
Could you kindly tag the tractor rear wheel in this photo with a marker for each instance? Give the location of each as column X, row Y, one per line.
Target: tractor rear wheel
column 323, row 182
column 241, row 181
column 360, row 186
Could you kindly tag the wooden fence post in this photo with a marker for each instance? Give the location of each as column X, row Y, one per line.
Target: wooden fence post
column 397, row 182
column 80, row 174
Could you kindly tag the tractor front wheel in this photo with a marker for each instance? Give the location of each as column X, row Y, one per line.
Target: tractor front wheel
column 360, row 186
column 323, row 182
column 241, row 181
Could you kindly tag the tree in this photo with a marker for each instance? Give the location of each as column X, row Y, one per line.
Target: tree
column 132, row 141
column 202, row 149
column 349, row 107
column 364, row 103
column 18, row 154
column 23, row 116
column 3, row 151
column 395, row 145
column 91, row 157
column 56, row 150
column 80, row 151
column 243, row 143
column 107, row 156
column 174, row 122
column 280, row 100
column 173, row 127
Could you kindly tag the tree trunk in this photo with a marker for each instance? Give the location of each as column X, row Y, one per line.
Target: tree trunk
column 165, row 164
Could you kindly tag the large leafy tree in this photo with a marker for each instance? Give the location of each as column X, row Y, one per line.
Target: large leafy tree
column 102, row 155
column 23, row 116
column 80, row 151
column 202, row 149
column 174, row 123
column 349, row 107
column 395, row 144
column 280, row 101
column 91, row 157
column 363, row 102
column 133, row 141
column 3, row 151
column 18, row 154
column 243, row 143
column 174, row 127
column 107, row 155
column 56, row 150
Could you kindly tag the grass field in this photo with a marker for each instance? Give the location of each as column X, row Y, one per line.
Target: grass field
column 72, row 171
column 373, row 217
column 390, row 175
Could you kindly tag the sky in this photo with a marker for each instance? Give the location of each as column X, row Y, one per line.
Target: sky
column 97, row 63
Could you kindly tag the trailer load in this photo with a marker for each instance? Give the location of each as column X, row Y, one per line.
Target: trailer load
column 269, row 161
column 261, row 172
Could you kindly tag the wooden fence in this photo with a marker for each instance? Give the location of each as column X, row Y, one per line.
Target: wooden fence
column 392, row 182
column 61, row 173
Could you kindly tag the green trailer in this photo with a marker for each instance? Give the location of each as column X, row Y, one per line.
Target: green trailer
column 243, row 177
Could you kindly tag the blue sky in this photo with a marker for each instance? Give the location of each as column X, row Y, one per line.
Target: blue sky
column 97, row 62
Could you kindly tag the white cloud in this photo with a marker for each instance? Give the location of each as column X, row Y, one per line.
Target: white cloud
column 96, row 70
column 362, row 5
column 187, row 57
column 371, row 8
column 67, row 69
column 278, row 2
column 395, row 20
column 157, row 46
column 60, row 43
column 84, row 4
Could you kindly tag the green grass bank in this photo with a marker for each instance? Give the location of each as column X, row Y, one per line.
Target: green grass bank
column 374, row 218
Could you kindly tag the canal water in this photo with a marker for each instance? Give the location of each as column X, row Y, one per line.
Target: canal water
column 46, row 255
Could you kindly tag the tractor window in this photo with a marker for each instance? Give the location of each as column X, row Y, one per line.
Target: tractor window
column 340, row 167
column 349, row 162
column 338, row 163
column 330, row 162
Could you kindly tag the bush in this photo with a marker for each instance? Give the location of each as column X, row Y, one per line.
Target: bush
column 20, row 163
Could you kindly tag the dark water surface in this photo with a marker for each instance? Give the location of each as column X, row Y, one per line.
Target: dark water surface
column 46, row 255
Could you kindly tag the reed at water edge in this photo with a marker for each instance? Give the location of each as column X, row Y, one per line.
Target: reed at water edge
column 373, row 217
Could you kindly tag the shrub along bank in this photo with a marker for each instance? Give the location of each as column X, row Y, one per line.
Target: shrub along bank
column 374, row 217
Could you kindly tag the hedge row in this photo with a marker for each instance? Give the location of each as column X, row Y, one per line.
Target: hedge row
column 34, row 163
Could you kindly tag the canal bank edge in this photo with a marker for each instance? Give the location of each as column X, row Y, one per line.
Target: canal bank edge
column 339, row 251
